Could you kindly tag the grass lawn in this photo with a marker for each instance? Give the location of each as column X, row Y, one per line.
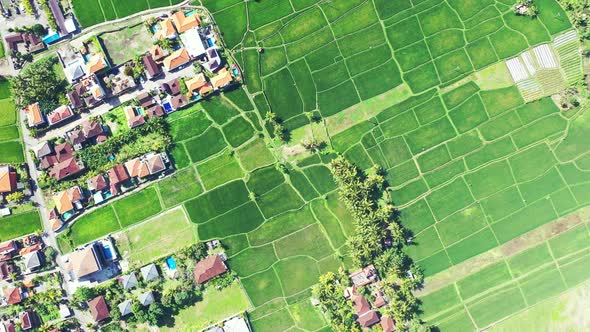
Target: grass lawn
column 125, row 44
column 93, row 225
column 19, row 225
column 215, row 306
column 147, row 241
column 138, row 206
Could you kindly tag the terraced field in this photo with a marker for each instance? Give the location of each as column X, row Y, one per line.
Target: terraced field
column 419, row 88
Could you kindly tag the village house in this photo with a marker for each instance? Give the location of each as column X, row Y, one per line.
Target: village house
column 117, row 176
column 147, row 165
column 155, row 110
column 149, row 272
column 158, row 53
column 198, row 84
column 32, row 261
column 125, row 308
column 165, row 29
column 184, row 23
column 98, row 309
column 214, row 60
column 120, row 83
column 364, row 276
column 72, row 62
column 24, row 43
column 48, row 156
column 13, row 295
column 8, row 250
column 145, row 99
column 89, row 131
column 35, row 117
column 27, row 320
column 96, row 63
column 222, row 79
column 365, row 316
column 128, row 281
column 97, row 183
column 87, row 93
column 176, row 59
column 60, row 114
column 209, row 268
column 60, row 20
column 146, row 298
column 66, row 168
column 82, row 264
column 134, row 118
column 8, row 180
column 152, row 68
column 179, row 101
column 8, row 326
column 171, row 87
column 68, row 201
column 387, row 324
column 193, row 43
column 6, row 269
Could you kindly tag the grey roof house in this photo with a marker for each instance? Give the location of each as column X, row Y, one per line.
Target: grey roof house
column 128, row 281
column 149, row 272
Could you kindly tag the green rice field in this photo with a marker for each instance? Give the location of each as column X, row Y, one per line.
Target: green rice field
column 418, row 88
column 10, row 139
column 92, row 12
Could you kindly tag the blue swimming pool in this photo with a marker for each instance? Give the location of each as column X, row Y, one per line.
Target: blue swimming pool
column 51, row 38
column 167, row 107
column 171, row 263
column 67, row 215
column 108, row 255
column 210, row 42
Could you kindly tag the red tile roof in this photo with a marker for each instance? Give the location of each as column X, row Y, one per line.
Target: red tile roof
column 368, row 319
column 65, row 169
column 387, row 324
column 13, row 295
column 117, row 174
column 97, row 183
column 360, row 304
column 209, row 268
column 98, row 308
column 7, row 180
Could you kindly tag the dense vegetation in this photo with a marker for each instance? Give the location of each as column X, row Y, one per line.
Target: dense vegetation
column 38, row 84
column 375, row 225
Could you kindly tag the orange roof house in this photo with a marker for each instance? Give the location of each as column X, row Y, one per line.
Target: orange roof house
column 34, row 115
column 96, row 63
column 166, row 30
column 222, row 78
column 176, row 59
column 158, row 53
column 136, row 168
column 133, row 119
column 184, row 23
column 64, row 200
column 7, row 179
column 195, row 83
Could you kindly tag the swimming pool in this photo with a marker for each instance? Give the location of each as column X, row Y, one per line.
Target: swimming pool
column 108, row 255
column 167, row 107
column 67, row 215
column 171, row 263
column 51, row 38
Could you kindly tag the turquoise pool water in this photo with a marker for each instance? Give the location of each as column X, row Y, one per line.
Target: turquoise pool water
column 171, row 263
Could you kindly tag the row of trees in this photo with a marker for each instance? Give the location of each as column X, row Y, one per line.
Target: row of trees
column 378, row 239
